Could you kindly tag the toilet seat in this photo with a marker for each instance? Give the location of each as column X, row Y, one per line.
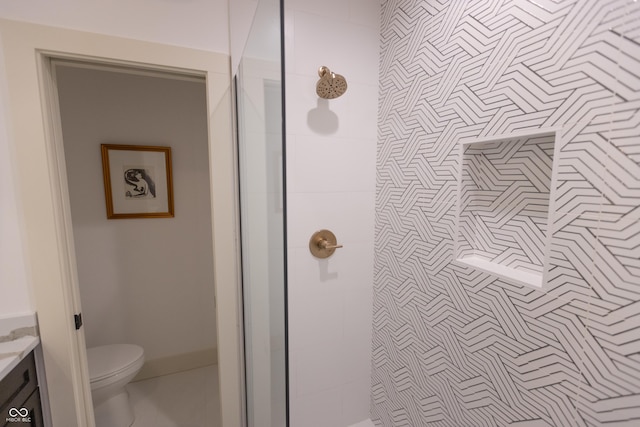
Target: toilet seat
column 111, row 360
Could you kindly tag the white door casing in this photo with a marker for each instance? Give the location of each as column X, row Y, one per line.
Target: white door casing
column 40, row 177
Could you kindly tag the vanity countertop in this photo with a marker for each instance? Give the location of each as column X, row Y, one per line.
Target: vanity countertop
column 18, row 336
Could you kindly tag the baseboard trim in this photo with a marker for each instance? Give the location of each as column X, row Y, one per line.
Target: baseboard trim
column 177, row 363
column 364, row 423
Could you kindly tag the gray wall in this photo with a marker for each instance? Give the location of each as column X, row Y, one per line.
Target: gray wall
column 142, row 281
column 452, row 345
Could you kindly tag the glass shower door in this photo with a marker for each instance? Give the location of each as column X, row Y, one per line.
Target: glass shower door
column 262, row 215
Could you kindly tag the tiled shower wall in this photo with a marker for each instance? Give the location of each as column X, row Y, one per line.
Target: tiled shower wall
column 453, row 346
column 331, row 184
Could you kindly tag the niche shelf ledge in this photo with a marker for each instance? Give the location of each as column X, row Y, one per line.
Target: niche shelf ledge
column 507, row 273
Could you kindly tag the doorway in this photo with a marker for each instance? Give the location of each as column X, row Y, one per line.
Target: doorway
column 146, row 281
column 41, row 179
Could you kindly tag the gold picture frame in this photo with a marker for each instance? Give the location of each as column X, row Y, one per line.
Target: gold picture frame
column 138, row 181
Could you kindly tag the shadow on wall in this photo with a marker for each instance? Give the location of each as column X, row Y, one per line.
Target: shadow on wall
column 322, row 120
column 325, row 274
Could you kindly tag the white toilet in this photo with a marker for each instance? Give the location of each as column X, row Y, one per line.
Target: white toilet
column 111, row 367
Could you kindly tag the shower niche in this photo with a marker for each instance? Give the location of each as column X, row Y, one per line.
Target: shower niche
column 505, row 187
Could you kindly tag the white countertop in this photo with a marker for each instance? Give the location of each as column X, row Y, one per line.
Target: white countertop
column 18, row 336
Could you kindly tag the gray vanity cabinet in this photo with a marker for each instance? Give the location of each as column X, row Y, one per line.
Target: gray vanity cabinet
column 20, row 396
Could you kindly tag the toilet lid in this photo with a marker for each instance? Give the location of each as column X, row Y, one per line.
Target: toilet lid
column 108, row 360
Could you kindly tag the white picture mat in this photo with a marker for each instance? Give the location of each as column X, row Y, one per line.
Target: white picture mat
column 119, row 161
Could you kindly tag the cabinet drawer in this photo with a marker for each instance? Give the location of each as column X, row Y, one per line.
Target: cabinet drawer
column 33, row 409
column 17, row 386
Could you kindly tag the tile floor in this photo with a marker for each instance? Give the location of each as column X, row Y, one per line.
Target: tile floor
column 185, row 399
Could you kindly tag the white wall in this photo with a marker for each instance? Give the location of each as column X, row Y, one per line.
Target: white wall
column 241, row 16
column 331, row 150
column 13, row 280
column 143, row 281
column 199, row 24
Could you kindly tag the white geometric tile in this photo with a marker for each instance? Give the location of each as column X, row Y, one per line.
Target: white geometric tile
column 504, row 201
column 453, row 346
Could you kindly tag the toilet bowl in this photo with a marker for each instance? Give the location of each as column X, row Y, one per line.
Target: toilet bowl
column 111, row 367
